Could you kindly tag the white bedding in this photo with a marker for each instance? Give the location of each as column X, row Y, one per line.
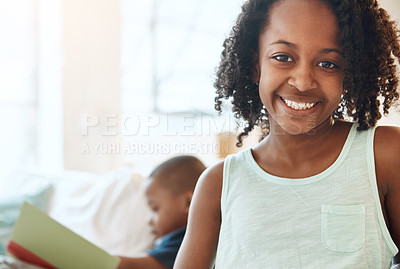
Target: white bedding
column 109, row 210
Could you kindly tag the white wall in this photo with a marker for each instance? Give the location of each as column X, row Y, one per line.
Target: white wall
column 393, row 8
column 50, row 108
column 90, row 79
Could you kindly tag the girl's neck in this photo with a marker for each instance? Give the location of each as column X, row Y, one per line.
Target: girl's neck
column 306, row 154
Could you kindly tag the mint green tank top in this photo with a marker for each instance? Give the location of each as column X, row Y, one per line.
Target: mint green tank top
column 330, row 220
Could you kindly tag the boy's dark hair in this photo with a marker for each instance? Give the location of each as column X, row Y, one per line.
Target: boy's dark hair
column 369, row 40
column 179, row 174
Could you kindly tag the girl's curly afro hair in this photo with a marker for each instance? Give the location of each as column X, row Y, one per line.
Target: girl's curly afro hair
column 370, row 44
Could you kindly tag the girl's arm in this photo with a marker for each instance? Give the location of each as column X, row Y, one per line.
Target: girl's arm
column 387, row 160
column 199, row 246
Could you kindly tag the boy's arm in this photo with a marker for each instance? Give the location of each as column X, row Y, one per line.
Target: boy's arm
column 143, row 262
column 387, row 160
column 199, row 246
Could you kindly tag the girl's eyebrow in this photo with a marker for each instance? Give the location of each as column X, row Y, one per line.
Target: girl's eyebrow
column 292, row 45
column 289, row 44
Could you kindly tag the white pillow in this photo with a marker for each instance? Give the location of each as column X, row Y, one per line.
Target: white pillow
column 108, row 210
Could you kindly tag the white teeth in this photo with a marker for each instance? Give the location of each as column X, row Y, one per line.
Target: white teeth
column 298, row 106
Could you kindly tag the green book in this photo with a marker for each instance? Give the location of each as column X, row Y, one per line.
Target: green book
column 40, row 240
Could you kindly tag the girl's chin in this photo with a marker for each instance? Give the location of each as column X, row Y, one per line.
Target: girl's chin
column 298, row 125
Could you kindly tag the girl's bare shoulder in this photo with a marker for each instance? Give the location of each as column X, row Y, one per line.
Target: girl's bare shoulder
column 387, row 147
column 387, row 164
column 215, row 172
column 386, row 152
column 211, row 180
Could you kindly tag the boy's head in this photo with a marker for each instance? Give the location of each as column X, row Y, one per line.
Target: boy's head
column 369, row 43
column 169, row 192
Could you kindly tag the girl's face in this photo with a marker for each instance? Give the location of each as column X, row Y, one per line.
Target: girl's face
column 300, row 66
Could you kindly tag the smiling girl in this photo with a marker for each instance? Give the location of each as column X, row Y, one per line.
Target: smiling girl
column 318, row 191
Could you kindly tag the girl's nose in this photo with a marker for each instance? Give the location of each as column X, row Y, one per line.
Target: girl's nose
column 302, row 78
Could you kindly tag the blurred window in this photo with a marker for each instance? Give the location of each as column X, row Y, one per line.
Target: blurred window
column 18, row 83
column 170, row 50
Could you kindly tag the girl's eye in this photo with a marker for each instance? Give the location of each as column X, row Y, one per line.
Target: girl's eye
column 283, row 58
column 327, row 65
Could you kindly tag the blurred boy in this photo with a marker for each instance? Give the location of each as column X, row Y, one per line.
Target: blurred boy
column 169, row 190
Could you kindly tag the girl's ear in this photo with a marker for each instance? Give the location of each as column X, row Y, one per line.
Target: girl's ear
column 256, row 70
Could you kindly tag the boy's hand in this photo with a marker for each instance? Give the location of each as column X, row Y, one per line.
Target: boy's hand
column 142, row 262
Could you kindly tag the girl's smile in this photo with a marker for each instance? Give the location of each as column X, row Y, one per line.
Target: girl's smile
column 299, row 105
column 300, row 66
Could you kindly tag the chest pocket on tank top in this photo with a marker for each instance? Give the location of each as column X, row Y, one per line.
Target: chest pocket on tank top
column 343, row 227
